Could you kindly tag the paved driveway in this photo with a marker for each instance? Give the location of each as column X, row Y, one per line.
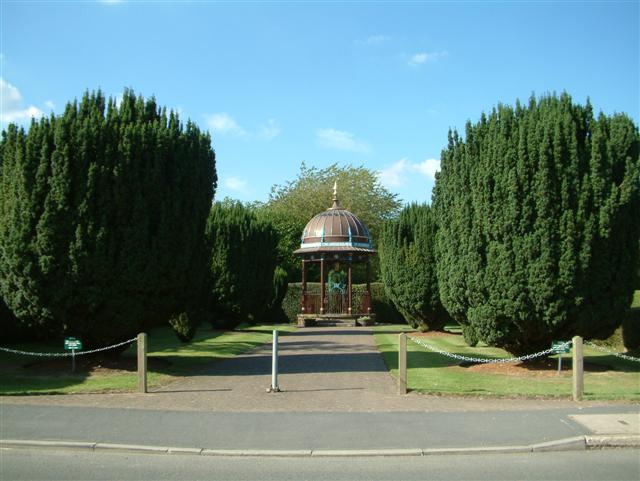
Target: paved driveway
column 320, row 369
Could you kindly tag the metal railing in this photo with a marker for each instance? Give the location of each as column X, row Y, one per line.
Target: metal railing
column 335, row 303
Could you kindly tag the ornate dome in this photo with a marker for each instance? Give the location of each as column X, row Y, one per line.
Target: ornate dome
column 334, row 230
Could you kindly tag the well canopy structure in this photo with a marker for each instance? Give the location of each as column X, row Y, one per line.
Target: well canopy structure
column 333, row 239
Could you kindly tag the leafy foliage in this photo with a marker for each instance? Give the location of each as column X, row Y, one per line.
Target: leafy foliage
column 407, row 263
column 183, row 326
column 538, row 223
column 243, row 263
column 293, row 204
column 102, row 216
column 10, row 327
column 631, row 329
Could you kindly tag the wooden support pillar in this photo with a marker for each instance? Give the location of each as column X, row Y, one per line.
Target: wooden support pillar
column 322, row 285
column 350, row 297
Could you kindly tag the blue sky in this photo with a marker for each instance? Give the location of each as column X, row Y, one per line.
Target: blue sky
column 364, row 83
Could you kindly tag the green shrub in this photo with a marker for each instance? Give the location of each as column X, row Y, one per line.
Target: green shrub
column 242, row 264
column 275, row 313
column 408, row 267
column 538, row 223
column 614, row 341
column 184, row 326
column 631, row 329
column 102, row 214
column 381, row 305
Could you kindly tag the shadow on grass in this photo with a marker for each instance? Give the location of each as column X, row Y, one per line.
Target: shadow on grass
column 37, row 386
column 428, row 359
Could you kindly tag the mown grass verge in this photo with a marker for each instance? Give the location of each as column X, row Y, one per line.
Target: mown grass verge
column 607, row 377
column 168, row 359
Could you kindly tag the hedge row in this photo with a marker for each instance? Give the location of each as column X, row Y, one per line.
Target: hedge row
column 381, row 305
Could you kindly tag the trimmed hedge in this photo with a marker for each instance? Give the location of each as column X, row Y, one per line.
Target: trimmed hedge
column 381, row 305
column 631, row 329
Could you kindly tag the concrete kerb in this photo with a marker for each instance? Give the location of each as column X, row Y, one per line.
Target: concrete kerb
column 577, row 443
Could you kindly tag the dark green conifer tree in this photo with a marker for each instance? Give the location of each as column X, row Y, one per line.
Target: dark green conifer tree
column 243, row 264
column 408, row 267
column 538, row 209
column 102, row 217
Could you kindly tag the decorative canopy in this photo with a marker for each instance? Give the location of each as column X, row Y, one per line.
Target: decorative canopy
column 335, row 230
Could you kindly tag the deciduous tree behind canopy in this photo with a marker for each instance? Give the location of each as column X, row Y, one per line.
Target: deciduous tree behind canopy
column 408, row 266
column 292, row 205
column 102, row 217
column 539, row 216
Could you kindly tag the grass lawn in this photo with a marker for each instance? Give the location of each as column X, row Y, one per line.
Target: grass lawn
column 611, row 378
column 167, row 359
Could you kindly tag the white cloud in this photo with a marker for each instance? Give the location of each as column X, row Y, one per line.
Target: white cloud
column 271, row 130
column 11, row 109
column 50, row 105
column 223, row 123
column 340, row 140
column 236, row 184
column 396, row 174
column 427, row 167
column 423, row 57
column 392, row 176
column 418, row 59
column 377, row 39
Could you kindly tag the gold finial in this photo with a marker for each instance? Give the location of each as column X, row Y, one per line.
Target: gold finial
column 336, row 202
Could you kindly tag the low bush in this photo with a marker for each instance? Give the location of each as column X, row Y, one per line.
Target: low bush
column 184, row 326
column 631, row 329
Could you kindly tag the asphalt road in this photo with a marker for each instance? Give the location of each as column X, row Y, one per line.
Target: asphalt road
column 282, row 431
column 26, row 464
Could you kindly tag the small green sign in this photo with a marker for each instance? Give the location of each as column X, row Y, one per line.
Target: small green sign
column 72, row 344
column 560, row 347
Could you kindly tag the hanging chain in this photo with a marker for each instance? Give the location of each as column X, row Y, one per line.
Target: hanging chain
column 609, row 351
column 480, row 360
column 66, row 354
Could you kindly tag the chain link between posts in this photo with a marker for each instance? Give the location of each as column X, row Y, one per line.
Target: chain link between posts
column 66, row 354
column 481, row 360
column 609, row 351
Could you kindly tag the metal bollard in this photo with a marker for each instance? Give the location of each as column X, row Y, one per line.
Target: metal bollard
column 402, row 363
column 274, row 365
column 578, row 369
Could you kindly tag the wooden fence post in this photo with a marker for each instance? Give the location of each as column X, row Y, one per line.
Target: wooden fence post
column 142, row 362
column 402, row 363
column 578, row 369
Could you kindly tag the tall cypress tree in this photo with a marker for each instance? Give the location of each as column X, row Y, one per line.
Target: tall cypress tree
column 538, row 208
column 102, row 216
column 407, row 264
column 243, row 263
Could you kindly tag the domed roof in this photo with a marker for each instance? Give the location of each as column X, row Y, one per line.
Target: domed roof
column 335, row 229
